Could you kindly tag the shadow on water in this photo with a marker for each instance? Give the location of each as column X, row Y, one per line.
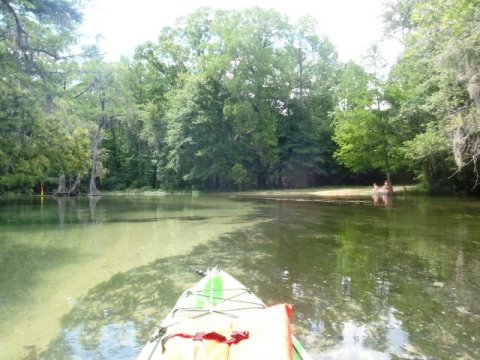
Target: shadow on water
column 113, row 320
column 16, row 274
column 366, row 283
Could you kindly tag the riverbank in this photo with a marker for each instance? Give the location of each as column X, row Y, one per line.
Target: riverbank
column 323, row 192
column 320, row 192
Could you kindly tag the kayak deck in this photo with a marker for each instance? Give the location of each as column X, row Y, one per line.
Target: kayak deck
column 215, row 299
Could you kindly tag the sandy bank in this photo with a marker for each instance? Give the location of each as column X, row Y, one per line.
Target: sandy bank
column 324, row 192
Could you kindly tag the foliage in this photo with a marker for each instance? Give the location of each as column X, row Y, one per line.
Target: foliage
column 34, row 32
column 365, row 131
column 21, row 159
column 226, row 102
column 34, row 38
column 266, row 105
column 438, row 74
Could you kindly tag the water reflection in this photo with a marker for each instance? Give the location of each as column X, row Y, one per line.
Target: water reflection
column 113, row 320
column 358, row 341
column 365, row 283
column 50, row 257
column 73, row 210
column 352, row 346
column 92, row 201
column 382, row 199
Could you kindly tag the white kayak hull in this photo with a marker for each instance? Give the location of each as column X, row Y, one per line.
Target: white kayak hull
column 216, row 296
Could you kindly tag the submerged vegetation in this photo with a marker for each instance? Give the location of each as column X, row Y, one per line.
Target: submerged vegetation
column 268, row 105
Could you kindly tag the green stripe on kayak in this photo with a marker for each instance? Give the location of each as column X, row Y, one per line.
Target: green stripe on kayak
column 212, row 291
column 299, row 353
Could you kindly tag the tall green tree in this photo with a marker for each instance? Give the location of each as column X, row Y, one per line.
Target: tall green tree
column 252, row 82
column 34, row 40
column 129, row 140
column 311, row 71
column 440, row 64
column 34, row 32
column 239, row 109
column 365, row 131
column 105, row 102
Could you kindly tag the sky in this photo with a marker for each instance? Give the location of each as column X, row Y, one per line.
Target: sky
column 352, row 25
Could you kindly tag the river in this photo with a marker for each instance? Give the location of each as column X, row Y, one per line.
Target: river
column 368, row 279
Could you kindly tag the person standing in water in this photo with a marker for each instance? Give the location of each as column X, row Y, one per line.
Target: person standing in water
column 386, row 187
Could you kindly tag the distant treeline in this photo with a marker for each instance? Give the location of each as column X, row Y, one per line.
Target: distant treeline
column 234, row 100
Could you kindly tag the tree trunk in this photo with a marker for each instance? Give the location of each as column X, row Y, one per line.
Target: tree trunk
column 62, row 184
column 389, row 183
column 96, row 145
column 300, row 71
column 74, row 188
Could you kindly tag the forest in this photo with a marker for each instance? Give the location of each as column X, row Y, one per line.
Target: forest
column 229, row 100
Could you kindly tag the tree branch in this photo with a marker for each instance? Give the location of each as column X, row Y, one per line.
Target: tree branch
column 19, row 29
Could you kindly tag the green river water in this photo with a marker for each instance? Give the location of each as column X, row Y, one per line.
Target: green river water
column 89, row 279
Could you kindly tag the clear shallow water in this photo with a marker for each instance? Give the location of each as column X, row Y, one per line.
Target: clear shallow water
column 368, row 280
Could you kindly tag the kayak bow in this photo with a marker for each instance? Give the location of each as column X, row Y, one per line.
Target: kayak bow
column 225, row 320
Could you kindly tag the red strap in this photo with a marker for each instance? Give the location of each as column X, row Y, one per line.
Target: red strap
column 237, row 336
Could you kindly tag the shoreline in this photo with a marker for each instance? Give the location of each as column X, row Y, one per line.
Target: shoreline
column 322, row 192
column 318, row 192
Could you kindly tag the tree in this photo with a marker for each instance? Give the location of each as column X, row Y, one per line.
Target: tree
column 311, row 69
column 99, row 102
column 429, row 152
column 252, row 81
column 35, row 31
column 364, row 131
column 200, row 140
column 22, row 163
column 248, row 108
column 441, row 36
column 34, row 39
